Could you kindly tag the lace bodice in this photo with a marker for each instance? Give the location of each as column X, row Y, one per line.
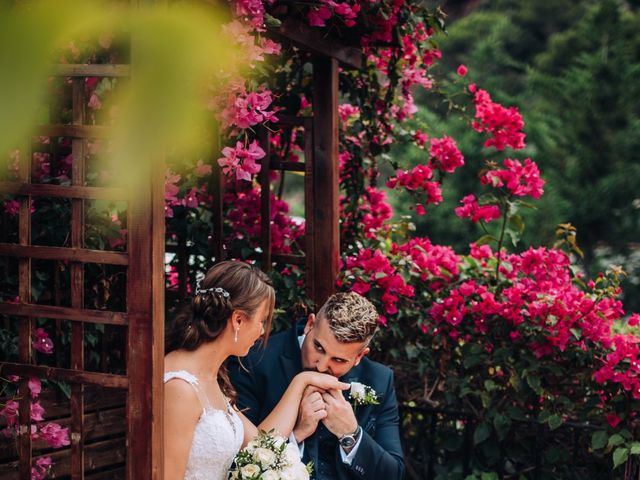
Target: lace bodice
column 216, row 439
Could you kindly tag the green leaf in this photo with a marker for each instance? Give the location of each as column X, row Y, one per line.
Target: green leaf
column 271, row 21
column 620, row 456
column 486, row 239
column 489, row 476
column 615, row 440
column 516, row 223
column 483, row 431
column 635, row 448
column 534, row 383
column 599, row 439
column 554, row 421
column 502, row 424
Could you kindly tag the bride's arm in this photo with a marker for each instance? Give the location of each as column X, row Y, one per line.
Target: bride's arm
column 182, row 410
column 283, row 417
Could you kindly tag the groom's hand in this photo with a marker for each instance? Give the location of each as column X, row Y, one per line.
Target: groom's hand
column 340, row 416
column 311, row 411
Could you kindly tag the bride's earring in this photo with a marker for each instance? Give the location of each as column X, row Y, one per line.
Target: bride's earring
column 235, row 338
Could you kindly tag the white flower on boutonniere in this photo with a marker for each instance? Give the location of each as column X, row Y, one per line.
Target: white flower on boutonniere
column 361, row 394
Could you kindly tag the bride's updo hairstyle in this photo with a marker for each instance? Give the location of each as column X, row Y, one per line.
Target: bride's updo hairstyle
column 227, row 286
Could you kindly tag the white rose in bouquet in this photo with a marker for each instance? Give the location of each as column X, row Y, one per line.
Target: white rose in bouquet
column 297, row 471
column 250, row 470
column 270, row 475
column 265, row 456
column 292, row 454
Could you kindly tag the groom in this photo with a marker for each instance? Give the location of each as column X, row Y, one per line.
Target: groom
column 343, row 443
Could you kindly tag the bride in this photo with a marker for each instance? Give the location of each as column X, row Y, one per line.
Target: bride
column 203, row 431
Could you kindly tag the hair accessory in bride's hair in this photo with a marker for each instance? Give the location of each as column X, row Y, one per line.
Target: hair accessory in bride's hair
column 215, row 290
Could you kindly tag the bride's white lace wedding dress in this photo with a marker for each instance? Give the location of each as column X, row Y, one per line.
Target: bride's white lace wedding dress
column 217, row 438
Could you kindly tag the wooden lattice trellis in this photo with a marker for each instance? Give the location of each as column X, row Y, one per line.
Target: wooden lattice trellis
column 143, row 316
column 143, row 261
column 322, row 237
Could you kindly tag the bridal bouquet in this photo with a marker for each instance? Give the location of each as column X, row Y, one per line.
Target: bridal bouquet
column 269, row 457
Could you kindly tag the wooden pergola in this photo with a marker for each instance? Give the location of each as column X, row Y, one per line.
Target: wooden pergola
column 143, row 261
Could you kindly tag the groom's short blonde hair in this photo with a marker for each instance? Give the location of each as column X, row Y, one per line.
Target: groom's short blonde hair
column 351, row 317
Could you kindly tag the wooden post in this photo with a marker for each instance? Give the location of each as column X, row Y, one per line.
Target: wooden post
column 145, row 341
column 216, row 188
column 265, row 201
column 325, row 214
column 77, row 286
column 25, row 328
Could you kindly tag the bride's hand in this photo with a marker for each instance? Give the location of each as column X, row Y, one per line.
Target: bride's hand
column 322, row 381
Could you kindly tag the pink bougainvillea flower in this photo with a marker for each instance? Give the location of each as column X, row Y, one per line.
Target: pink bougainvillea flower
column 445, row 154
column 35, row 387
column 41, row 469
column 270, row 47
column 202, row 169
column 420, row 138
column 37, row 412
column 471, row 209
column 613, row 419
column 420, row 210
column 12, row 207
column 42, row 342
column 347, row 111
column 462, row 70
column 318, row 16
column 418, row 179
column 55, row 435
column 10, row 412
column 241, row 160
column 503, row 124
column 94, row 102
column 520, row 179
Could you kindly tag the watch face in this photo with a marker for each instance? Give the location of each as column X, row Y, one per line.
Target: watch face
column 347, row 441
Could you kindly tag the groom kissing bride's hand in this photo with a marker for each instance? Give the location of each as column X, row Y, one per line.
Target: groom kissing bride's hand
column 342, row 443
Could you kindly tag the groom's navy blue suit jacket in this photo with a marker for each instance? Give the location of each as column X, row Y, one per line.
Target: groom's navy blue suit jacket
column 270, row 370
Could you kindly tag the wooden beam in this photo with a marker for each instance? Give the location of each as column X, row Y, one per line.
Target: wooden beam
column 73, row 376
column 288, row 259
column 325, row 213
column 73, row 131
column 91, row 70
column 62, row 191
column 64, row 313
column 288, row 166
column 61, row 253
column 316, row 42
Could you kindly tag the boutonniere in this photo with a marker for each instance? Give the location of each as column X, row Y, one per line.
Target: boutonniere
column 361, row 394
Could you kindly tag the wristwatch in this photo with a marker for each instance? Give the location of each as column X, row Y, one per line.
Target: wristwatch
column 348, row 440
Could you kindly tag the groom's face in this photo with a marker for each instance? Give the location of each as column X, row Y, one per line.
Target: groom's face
column 322, row 352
